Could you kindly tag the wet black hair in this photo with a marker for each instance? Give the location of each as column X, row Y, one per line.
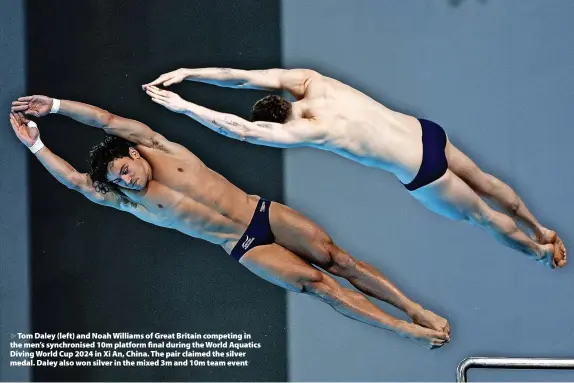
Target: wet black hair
column 110, row 149
column 272, row 109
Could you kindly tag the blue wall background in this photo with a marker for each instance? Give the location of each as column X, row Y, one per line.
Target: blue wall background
column 498, row 76
column 14, row 270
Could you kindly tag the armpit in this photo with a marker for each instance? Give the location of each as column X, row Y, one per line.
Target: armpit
column 155, row 141
column 156, row 144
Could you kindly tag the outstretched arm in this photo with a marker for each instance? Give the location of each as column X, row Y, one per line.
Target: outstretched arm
column 29, row 135
column 131, row 130
column 292, row 80
column 296, row 133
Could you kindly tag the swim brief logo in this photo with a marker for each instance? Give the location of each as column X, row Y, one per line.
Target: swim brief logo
column 262, row 207
column 248, row 241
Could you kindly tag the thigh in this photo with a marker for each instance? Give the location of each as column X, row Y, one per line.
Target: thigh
column 451, row 197
column 465, row 168
column 280, row 266
column 299, row 234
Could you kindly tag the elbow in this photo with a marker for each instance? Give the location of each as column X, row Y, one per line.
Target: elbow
column 105, row 120
column 319, row 140
column 242, row 84
column 316, row 135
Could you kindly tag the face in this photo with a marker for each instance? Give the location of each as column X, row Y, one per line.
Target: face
column 129, row 172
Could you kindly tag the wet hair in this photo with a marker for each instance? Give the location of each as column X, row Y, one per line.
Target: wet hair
column 272, row 109
column 110, row 149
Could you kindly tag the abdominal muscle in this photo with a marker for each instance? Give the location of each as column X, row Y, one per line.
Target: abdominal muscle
column 203, row 205
column 223, row 228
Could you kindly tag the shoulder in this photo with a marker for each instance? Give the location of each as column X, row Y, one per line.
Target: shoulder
column 300, row 77
column 296, row 81
column 301, row 73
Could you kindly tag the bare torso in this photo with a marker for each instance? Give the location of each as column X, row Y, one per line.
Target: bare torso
column 362, row 129
column 185, row 195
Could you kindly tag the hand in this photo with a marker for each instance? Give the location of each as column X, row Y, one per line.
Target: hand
column 26, row 134
column 170, row 78
column 170, row 100
column 37, row 106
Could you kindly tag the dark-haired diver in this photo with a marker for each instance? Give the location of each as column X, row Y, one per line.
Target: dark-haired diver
column 333, row 116
column 139, row 171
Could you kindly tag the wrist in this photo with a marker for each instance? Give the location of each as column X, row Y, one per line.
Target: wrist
column 188, row 108
column 55, row 106
column 37, row 146
column 188, row 73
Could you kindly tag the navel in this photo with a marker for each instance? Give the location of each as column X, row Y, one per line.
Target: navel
column 180, row 170
column 160, row 205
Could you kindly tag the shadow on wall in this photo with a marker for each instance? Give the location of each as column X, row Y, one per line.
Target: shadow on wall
column 456, row 3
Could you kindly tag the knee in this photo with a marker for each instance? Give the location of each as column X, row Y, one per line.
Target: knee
column 339, row 261
column 515, row 205
column 331, row 256
column 480, row 216
column 488, row 184
column 492, row 220
column 319, row 286
column 312, row 280
column 511, row 201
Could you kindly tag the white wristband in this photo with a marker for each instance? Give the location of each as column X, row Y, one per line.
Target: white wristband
column 38, row 144
column 55, row 106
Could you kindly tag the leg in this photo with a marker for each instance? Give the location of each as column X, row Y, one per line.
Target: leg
column 494, row 189
column 283, row 268
column 452, row 197
column 491, row 187
column 305, row 238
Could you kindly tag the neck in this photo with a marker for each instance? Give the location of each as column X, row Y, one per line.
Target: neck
column 296, row 111
column 149, row 171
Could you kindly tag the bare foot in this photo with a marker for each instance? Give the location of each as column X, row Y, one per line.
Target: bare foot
column 558, row 253
column 430, row 320
column 426, row 337
column 553, row 254
column 559, row 256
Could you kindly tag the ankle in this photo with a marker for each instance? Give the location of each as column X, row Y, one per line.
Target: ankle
column 413, row 310
column 543, row 250
column 540, row 232
column 403, row 328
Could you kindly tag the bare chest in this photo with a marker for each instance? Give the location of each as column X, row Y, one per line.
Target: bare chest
column 176, row 188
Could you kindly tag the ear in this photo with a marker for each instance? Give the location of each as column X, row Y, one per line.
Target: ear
column 134, row 154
